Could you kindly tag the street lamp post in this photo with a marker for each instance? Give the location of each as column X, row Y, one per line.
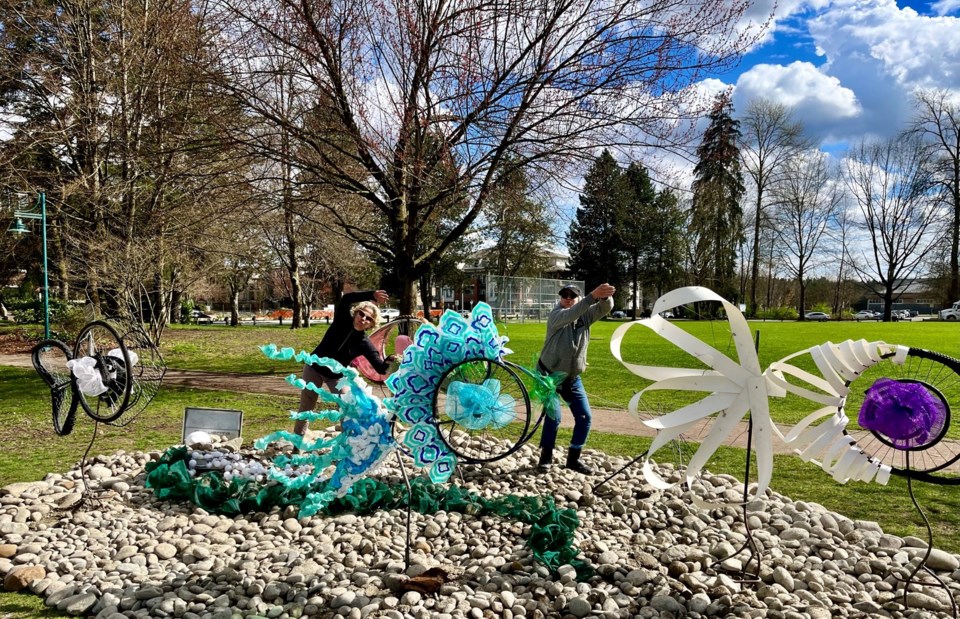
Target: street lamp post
column 18, row 227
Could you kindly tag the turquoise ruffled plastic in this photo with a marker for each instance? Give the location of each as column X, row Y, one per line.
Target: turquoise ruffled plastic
column 364, row 442
column 435, row 350
column 479, row 407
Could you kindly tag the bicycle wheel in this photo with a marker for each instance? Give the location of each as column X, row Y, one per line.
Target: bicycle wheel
column 481, row 410
column 101, row 342
column 931, row 456
column 50, row 360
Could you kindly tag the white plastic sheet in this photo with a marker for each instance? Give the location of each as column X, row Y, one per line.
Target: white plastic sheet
column 89, row 379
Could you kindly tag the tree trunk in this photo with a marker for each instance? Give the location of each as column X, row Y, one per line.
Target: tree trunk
column 408, row 290
column 234, row 307
column 755, row 267
column 307, row 306
column 426, row 296
column 802, row 298
column 293, row 269
column 159, row 308
column 838, row 290
column 176, row 299
column 955, row 241
column 296, row 319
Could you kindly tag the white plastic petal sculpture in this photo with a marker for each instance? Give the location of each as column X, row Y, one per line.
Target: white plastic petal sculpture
column 737, row 388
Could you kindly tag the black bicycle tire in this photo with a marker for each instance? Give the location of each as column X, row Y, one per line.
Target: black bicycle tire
column 128, row 382
column 467, row 458
column 532, row 428
column 63, row 426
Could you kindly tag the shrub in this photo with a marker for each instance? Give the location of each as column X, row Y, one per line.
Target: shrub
column 778, row 313
column 186, row 310
column 66, row 319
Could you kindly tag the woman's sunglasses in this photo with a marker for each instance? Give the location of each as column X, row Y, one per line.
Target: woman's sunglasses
column 365, row 316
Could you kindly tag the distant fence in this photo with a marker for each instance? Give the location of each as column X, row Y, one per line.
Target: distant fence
column 520, row 299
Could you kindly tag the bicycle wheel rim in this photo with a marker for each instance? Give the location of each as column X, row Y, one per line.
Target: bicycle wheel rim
column 935, row 460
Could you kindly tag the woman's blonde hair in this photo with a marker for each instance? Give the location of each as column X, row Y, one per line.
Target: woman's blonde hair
column 370, row 308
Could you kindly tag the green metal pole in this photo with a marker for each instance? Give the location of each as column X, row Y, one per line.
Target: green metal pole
column 46, row 279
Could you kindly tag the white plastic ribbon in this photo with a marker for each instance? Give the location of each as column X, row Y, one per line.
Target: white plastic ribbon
column 736, row 389
column 839, row 365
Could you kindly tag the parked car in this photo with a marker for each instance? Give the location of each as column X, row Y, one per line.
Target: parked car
column 666, row 314
column 202, row 318
column 816, row 316
column 618, row 314
column 865, row 315
column 388, row 313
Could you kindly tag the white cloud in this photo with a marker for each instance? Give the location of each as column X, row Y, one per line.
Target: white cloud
column 819, row 100
column 945, row 7
column 875, row 55
column 912, row 49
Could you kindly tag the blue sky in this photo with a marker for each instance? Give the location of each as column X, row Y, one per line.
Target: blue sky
column 848, row 67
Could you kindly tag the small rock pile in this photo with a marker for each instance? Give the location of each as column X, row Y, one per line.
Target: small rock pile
column 124, row 553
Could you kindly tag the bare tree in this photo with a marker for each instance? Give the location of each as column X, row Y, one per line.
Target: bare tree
column 806, row 196
column 840, row 234
column 507, row 83
column 107, row 106
column 769, row 138
column 894, row 186
column 937, row 121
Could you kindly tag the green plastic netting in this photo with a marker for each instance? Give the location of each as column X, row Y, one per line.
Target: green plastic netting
column 551, row 536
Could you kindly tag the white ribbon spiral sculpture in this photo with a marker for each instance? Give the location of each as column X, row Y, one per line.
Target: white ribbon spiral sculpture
column 736, row 389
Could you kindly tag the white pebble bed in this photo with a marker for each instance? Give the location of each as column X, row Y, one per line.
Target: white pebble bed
column 656, row 555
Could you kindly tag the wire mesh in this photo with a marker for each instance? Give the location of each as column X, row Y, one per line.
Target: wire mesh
column 521, row 299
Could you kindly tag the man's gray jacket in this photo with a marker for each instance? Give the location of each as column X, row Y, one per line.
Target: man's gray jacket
column 568, row 335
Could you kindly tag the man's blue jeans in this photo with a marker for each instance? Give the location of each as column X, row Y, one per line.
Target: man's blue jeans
column 572, row 392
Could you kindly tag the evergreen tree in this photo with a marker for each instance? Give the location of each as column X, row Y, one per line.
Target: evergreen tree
column 634, row 228
column 717, row 218
column 595, row 254
column 663, row 263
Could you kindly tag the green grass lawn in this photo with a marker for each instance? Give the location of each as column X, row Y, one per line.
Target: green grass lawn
column 32, row 449
column 610, row 385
